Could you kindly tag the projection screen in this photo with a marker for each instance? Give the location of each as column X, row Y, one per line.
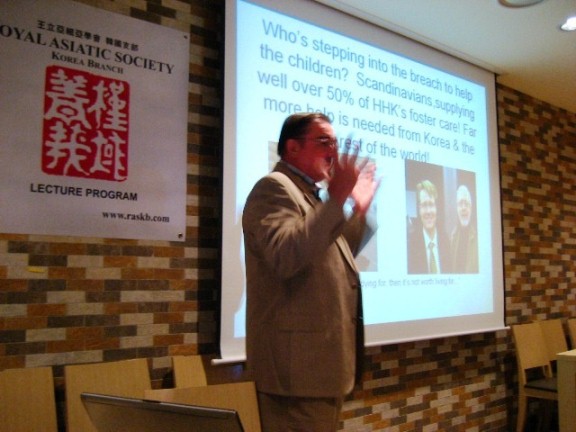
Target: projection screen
column 422, row 116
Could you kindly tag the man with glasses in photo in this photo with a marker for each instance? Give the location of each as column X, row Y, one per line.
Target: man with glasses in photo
column 464, row 237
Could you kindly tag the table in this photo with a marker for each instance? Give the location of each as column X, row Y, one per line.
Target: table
column 566, row 366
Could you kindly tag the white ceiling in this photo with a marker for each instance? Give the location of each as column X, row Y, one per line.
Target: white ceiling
column 523, row 46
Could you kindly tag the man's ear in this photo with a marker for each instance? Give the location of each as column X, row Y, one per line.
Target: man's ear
column 293, row 146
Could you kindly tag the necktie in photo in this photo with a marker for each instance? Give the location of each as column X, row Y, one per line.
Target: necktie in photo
column 433, row 266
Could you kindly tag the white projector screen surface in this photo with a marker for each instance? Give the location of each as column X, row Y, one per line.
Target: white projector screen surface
column 418, row 113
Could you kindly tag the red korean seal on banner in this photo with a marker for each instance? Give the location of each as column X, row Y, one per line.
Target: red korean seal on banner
column 86, row 125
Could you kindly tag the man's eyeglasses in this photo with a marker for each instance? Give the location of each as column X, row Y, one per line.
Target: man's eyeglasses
column 324, row 141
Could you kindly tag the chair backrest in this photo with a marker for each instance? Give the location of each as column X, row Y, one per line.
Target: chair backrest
column 554, row 337
column 239, row 396
column 128, row 378
column 27, row 401
column 189, row 371
column 531, row 350
column 572, row 332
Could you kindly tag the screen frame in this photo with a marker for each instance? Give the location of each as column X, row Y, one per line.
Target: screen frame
column 317, row 13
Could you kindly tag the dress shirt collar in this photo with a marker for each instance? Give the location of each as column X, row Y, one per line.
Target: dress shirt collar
column 299, row 173
column 304, row 182
column 428, row 239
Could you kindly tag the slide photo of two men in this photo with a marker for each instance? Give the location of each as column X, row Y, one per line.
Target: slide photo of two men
column 441, row 219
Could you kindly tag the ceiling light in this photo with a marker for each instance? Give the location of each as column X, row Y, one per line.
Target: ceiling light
column 570, row 24
column 519, row 3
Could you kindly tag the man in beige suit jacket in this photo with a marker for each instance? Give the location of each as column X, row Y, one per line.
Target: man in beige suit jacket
column 304, row 327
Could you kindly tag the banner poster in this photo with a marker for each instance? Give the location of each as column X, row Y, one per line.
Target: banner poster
column 93, row 123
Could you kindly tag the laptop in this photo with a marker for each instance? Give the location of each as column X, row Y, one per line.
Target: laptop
column 121, row 414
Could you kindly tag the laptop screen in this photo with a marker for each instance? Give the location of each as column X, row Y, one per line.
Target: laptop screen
column 121, row 414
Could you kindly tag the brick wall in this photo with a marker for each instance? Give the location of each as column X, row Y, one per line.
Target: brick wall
column 66, row 300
